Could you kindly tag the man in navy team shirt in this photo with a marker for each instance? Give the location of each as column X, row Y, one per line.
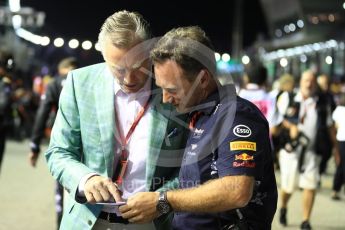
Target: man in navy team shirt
column 226, row 178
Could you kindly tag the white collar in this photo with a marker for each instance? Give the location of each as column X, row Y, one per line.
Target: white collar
column 252, row 86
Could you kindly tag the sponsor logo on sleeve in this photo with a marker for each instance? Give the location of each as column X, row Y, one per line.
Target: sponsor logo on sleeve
column 242, row 131
column 242, row 145
column 244, row 157
column 198, row 133
column 245, row 164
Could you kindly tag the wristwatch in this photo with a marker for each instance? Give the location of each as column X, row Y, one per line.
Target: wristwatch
column 163, row 206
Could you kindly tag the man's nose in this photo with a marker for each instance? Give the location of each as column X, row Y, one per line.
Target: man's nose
column 166, row 97
column 129, row 77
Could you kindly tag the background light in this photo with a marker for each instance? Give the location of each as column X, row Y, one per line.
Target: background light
column 278, row 33
column 58, row 42
column 303, row 58
column 283, row 62
column 73, row 43
column 300, row 23
column 217, row 56
column 329, row 60
column 86, row 45
column 225, row 57
column 45, row 41
column 14, row 5
column 16, row 21
column 97, row 47
column 292, row 27
column 245, row 60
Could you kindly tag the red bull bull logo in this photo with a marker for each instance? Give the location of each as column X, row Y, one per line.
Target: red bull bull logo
column 244, row 157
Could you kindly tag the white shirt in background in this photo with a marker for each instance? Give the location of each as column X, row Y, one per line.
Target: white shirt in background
column 339, row 118
column 264, row 101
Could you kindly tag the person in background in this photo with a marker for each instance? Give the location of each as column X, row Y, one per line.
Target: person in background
column 49, row 102
column 255, row 91
column 338, row 117
column 326, row 94
column 284, row 107
column 310, row 114
column 6, row 65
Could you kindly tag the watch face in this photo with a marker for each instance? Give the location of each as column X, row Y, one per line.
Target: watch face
column 163, row 207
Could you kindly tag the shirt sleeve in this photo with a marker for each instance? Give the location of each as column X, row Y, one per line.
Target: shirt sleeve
column 335, row 115
column 82, row 183
column 243, row 150
column 283, row 103
column 274, row 117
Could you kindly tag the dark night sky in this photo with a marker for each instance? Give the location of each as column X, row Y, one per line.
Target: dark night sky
column 82, row 19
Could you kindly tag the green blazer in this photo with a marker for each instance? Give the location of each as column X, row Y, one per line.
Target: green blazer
column 83, row 140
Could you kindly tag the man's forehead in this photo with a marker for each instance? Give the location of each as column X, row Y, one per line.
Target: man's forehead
column 130, row 63
column 169, row 66
column 135, row 55
column 308, row 75
column 127, row 58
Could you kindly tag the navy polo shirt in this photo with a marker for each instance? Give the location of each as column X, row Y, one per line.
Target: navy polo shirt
column 230, row 138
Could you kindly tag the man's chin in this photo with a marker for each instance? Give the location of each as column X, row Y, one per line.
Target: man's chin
column 129, row 89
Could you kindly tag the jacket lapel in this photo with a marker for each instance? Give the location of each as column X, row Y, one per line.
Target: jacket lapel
column 104, row 99
column 156, row 133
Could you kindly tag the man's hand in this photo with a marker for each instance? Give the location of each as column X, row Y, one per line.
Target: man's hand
column 141, row 208
column 100, row 189
column 33, row 157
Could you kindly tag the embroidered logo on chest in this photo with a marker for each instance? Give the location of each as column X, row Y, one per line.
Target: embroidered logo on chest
column 242, row 131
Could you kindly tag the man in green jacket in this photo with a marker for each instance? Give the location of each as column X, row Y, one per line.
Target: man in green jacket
column 112, row 137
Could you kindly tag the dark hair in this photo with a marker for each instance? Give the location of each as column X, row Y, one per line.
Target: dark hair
column 257, row 74
column 342, row 99
column 68, row 62
column 189, row 47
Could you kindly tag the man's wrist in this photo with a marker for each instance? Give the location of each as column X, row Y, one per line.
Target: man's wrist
column 163, row 205
column 81, row 186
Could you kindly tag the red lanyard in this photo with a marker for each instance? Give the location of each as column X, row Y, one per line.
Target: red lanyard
column 123, row 161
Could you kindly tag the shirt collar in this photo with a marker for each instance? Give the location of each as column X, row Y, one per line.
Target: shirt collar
column 209, row 105
column 252, row 86
column 299, row 98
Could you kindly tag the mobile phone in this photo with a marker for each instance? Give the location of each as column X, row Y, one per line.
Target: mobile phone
column 112, row 203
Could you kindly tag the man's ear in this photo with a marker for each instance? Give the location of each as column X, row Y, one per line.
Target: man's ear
column 205, row 78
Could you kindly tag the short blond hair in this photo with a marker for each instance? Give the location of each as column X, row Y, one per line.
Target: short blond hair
column 124, row 29
column 286, row 79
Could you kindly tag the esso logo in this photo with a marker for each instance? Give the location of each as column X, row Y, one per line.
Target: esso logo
column 242, row 131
